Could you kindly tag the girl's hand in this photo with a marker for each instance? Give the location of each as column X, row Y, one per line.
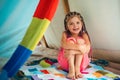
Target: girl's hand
column 67, row 53
column 83, row 48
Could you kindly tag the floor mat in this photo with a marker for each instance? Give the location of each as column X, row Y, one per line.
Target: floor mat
column 35, row 70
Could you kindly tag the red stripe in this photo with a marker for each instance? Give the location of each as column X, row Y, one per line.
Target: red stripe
column 46, row 9
column 41, row 9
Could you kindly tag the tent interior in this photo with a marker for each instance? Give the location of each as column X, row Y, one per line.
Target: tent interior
column 102, row 20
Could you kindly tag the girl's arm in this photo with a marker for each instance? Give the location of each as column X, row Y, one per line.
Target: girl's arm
column 86, row 38
column 87, row 42
column 68, row 45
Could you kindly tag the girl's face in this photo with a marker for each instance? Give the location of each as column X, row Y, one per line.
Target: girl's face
column 74, row 25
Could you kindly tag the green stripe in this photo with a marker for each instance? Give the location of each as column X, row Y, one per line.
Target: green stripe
column 35, row 33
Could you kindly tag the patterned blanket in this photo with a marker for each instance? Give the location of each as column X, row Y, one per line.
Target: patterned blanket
column 38, row 70
column 42, row 65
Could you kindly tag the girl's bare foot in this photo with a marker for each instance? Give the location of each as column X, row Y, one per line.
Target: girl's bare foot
column 71, row 75
column 78, row 75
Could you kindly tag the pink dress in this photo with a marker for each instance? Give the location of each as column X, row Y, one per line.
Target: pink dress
column 64, row 63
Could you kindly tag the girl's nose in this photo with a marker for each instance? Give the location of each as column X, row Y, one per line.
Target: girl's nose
column 75, row 25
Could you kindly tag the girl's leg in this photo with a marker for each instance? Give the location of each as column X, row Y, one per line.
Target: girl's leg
column 71, row 59
column 78, row 60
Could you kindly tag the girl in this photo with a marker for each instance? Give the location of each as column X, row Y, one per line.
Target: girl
column 75, row 46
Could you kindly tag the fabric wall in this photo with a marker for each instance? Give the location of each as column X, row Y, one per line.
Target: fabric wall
column 15, row 17
column 102, row 19
column 56, row 27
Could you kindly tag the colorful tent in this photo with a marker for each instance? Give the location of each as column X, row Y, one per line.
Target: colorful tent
column 41, row 19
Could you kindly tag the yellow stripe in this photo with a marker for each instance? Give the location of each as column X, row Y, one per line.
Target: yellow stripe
column 35, row 33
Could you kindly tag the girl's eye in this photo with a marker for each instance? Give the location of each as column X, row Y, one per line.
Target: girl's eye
column 78, row 22
column 74, row 23
column 71, row 24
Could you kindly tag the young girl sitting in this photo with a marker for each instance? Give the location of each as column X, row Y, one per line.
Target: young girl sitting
column 75, row 46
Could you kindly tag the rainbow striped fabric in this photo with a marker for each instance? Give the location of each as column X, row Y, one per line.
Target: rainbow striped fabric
column 40, row 22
